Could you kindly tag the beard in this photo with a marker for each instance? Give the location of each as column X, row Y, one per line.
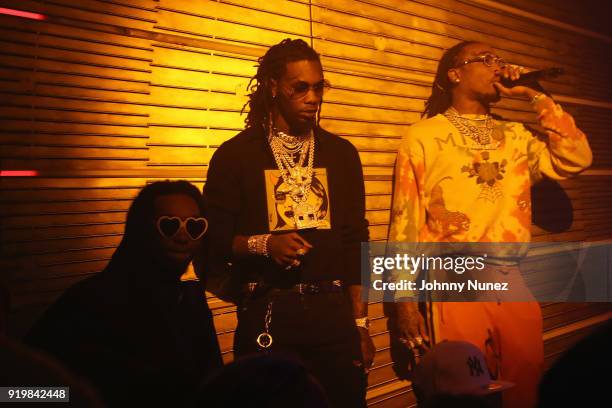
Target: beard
column 490, row 97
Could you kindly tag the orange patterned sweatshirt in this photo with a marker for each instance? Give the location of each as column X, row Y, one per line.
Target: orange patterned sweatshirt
column 450, row 189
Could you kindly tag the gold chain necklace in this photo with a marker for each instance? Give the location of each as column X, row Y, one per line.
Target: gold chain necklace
column 291, row 171
column 479, row 133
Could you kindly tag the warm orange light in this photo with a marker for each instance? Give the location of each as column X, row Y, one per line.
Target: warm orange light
column 18, row 173
column 24, row 14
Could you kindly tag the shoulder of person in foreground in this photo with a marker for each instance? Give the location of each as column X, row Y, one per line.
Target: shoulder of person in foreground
column 33, row 368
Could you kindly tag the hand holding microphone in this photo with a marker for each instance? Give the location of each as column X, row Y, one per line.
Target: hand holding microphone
column 518, row 83
column 531, row 77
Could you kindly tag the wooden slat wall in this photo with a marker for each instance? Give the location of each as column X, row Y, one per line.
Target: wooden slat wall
column 104, row 96
column 71, row 104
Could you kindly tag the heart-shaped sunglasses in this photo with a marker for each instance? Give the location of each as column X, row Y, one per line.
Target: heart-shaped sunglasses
column 168, row 226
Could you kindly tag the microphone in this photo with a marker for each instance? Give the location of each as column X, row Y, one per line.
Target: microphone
column 531, row 78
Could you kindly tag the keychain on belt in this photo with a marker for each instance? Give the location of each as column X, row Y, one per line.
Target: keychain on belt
column 264, row 340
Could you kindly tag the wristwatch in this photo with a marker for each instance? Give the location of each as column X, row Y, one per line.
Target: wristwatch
column 363, row 322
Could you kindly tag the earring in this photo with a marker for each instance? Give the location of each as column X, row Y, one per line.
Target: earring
column 457, row 80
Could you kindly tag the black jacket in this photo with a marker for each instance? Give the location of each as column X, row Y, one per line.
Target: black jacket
column 140, row 341
column 237, row 204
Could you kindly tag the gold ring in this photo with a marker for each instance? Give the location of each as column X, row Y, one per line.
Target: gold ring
column 419, row 340
column 300, row 252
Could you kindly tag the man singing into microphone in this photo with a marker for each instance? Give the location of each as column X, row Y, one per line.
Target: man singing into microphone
column 462, row 175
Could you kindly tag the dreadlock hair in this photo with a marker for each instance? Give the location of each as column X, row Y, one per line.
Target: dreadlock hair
column 441, row 98
column 272, row 65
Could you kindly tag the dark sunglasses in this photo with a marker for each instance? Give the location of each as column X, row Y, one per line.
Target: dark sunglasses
column 168, row 226
column 301, row 88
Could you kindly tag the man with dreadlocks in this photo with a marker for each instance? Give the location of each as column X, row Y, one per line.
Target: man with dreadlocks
column 286, row 209
column 462, row 175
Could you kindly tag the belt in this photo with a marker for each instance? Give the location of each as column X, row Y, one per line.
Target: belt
column 302, row 288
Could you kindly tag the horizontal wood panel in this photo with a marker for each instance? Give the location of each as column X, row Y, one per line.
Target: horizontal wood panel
column 43, row 99
column 80, row 65
column 205, row 26
column 73, row 207
column 167, row 75
column 144, row 11
column 75, row 53
column 296, row 23
column 45, row 220
column 376, row 84
column 90, row 11
column 189, row 136
column 195, row 99
column 58, row 139
column 73, row 83
column 400, row 396
column 52, row 115
column 81, row 152
column 67, row 195
column 560, row 314
column 63, row 29
column 434, row 20
column 180, row 154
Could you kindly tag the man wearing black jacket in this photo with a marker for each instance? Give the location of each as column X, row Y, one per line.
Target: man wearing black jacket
column 286, row 207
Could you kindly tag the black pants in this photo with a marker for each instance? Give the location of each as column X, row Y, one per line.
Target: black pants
column 320, row 329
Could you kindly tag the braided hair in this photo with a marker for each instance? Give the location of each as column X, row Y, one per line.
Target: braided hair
column 441, row 98
column 272, row 66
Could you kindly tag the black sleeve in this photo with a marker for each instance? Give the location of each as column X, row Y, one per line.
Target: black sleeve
column 223, row 201
column 355, row 229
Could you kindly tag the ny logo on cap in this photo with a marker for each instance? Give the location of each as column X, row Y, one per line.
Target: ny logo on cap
column 475, row 367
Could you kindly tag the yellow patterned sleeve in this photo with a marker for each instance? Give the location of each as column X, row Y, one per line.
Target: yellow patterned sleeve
column 408, row 209
column 567, row 151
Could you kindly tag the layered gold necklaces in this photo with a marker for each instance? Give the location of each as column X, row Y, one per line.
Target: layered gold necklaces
column 480, row 130
column 285, row 148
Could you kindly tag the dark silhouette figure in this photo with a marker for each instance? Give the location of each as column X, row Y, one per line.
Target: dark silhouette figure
column 135, row 331
column 267, row 380
column 578, row 378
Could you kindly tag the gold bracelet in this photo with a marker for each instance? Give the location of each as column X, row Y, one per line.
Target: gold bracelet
column 252, row 244
column 258, row 245
column 265, row 239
